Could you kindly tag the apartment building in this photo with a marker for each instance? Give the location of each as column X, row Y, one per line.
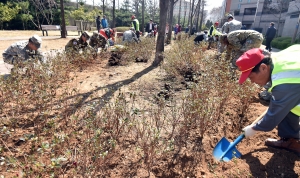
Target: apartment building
column 291, row 20
column 256, row 14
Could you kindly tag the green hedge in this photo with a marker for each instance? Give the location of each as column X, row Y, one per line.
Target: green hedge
column 281, row 42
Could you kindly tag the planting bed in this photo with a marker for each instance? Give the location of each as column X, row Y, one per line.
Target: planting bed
column 64, row 141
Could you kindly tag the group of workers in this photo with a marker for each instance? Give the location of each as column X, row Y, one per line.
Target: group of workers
column 29, row 49
column 281, row 72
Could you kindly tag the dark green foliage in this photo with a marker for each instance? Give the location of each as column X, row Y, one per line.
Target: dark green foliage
column 282, row 42
column 36, row 18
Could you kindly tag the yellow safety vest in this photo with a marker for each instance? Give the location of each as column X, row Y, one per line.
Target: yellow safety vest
column 215, row 31
column 287, row 69
column 137, row 28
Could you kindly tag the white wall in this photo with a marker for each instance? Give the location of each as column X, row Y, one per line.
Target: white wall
column 290, row 23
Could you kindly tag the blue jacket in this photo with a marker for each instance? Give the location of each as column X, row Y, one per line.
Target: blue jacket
column 104, row 23
column 176, row 30
column 271, row 32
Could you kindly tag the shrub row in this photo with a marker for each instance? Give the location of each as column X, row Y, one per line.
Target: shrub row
column 282, row 42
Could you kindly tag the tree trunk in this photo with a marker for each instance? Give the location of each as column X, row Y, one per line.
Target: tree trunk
column 278, row 24
column 198, row 14
column 202, row 13
column 172, row 2
column 143, row 16
column 63, row 22
column 103, row 7
column 191, row 16
column 179, row 12
column 113, row 14
column 154, row 9
column 163, row 6
column 184, row 14
column 136, row 5
column 170, row 20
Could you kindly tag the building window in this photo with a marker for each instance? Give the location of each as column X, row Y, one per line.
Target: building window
column 249, row 0
column 294, row 16
column 239, row 6
column 249, row 11
column 236, row 12
column 240, row 0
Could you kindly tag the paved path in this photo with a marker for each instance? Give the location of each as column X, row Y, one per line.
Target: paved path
column 27, row 37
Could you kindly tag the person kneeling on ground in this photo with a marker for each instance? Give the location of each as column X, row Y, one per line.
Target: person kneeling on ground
column 95, row 40
column 238, row 42
column 23, row 51
column 201, row 37
column 104, row 35
column 283, row 72
column 129, row 36
column 77, row 44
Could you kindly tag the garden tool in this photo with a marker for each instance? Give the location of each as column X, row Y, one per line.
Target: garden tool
column 225, row 150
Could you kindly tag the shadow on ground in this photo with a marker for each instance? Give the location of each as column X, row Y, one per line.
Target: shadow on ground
column 111, row 89
column 274, row 167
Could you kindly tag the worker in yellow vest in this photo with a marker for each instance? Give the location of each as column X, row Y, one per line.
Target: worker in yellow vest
column 283, row 72
column 136, row 25
column 213, row 34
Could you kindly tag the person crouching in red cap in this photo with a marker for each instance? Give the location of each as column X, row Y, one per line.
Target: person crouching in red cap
column 104, row 35
column 283, row 72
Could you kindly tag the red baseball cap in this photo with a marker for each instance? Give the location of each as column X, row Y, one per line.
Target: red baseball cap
column 248, row 61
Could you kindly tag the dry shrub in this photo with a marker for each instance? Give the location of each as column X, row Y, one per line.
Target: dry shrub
column 69, row 138
column 142, row 51
column 215, row 84
column 185, row 57
column 72, row 139
column 35, row 96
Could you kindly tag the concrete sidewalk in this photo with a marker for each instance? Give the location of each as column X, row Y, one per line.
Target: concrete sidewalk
column 27, row 37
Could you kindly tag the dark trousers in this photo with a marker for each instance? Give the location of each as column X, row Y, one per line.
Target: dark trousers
column 137, row 34
column 268, row 44
column 289, row 126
